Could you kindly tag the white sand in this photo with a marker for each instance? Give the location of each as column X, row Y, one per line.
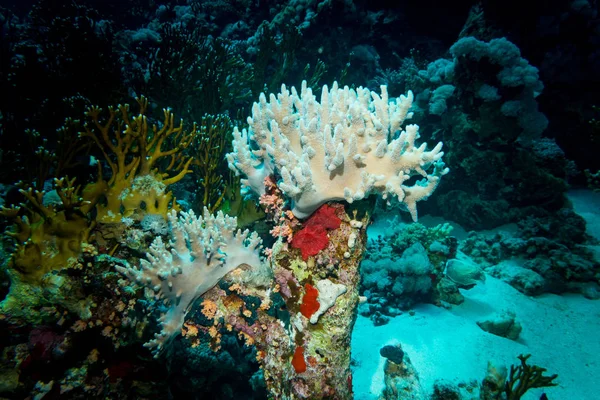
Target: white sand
column 561, row 332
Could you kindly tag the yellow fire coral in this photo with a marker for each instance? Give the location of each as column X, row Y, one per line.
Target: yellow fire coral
column 51, row 227
column 143, row 160
column 50, row 233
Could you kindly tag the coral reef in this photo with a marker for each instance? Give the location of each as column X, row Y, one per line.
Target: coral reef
column 99, row 261
column 543, row 255
column 491, row 125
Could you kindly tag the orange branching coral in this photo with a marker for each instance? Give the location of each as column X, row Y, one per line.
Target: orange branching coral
column 209, row 309
column 190, row 330
column 284, row 220
column 284, row 231
column 143, row 160
column 50, row 229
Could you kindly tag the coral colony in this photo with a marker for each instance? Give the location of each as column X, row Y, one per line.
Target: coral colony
column 347, row 146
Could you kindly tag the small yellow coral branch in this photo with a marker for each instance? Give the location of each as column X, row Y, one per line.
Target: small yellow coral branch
column 137, row 155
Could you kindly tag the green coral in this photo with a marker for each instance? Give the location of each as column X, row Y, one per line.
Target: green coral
column 234, row 204
column 275, row 56
column 46, row 301
column 593, row 180
column 208, row 150
column 418, row 233
column 195, row 74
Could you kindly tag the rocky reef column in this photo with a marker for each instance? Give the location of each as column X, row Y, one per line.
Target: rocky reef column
column 317, row 276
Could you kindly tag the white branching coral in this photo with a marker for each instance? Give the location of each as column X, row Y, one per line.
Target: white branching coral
column 202, row 250
column 345, row 147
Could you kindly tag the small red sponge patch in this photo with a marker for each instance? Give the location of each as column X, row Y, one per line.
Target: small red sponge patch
column 310, row 240
column 325, row 217
column 313, row 237
column 298, row 361
column 309, row 305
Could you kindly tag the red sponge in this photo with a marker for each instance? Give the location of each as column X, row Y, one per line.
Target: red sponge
column 310, row 241
column 325, row 217
column 313, row 237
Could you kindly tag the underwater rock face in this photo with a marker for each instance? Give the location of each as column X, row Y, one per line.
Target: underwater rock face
column 464, row 274
column 393, row 353
column 524, row 280
column 401, row 379
column 502, row 324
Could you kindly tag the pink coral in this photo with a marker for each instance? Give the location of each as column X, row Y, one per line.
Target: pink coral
column 272, row 199
column 285, row 231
